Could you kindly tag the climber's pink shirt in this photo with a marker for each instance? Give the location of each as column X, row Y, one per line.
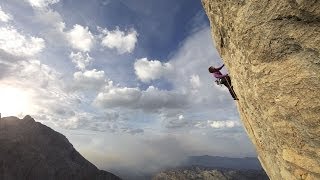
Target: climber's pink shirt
column 218, row 74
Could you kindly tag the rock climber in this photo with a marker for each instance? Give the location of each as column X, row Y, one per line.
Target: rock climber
column 223, row 79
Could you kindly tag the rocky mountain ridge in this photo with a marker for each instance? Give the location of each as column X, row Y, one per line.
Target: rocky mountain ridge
column 30, row 150
column 272, row 50
column 246, row 163
column 202, row 173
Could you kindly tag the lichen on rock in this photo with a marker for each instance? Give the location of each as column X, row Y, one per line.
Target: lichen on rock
column 272, row 51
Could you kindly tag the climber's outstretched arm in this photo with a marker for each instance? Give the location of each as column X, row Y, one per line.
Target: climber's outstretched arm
column 219, row 68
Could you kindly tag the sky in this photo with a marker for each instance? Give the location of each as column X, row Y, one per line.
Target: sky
column 126, row 81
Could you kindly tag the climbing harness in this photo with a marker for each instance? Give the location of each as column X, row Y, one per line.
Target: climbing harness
column 218, row 82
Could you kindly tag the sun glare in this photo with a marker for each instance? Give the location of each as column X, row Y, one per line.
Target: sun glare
column 13, row 102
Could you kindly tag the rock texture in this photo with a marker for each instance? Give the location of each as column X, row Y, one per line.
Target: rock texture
column 272, row 51
column 198, row 173
column 30, row 150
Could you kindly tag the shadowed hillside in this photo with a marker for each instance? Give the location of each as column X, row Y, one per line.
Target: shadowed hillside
column 30, row 150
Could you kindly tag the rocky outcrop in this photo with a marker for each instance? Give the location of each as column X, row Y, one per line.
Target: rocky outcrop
column 199, row 173
column 272, row 51
column 30, row 150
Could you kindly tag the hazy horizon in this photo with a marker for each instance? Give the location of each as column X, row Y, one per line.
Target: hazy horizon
column 125, row 81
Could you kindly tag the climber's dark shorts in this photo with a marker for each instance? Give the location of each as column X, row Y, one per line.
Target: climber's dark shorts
column 227, row 82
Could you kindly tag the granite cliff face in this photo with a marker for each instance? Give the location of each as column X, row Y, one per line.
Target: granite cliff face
column 30, row 150
column 272, row 51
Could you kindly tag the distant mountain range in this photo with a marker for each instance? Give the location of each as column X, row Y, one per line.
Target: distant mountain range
column 207, row 168
column 247, row 163
column 200, row 173
column 215, row 168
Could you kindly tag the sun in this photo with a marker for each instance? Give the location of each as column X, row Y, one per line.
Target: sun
column 13, row 101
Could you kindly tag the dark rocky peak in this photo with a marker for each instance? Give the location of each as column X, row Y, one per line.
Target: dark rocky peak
column 28, row 118
column 31, row 150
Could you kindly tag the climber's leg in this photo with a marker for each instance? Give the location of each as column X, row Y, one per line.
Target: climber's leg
column 227, row 78
column 227, row 82
column 233, row 94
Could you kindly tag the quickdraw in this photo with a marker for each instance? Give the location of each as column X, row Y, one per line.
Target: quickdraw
column 219, row 82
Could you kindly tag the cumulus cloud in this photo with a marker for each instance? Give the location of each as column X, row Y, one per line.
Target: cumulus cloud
column 114, row 96
column 81, row 59
column 80, row 38
column 4, row 17
column 149, row 100
column 42, row 3
column 89, row 79
column 147, row 70
column 17, row 44
column 123, row 42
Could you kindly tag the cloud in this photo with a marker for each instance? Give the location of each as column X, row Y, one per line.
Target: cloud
column 44, row 87
column 147, row 70
column 80, row 38
column 17, row 44
column 154, row 99
column 50, row 100
column 81, row 60
column 4, row 17
column 195, row 81
column 38, row 72
column 42, row 3
column 176, row 122
column 133, row 131
column 5, row 69
column 52, row 27
column 123, row 42
column 149, row 100
column 50, row 18
column 218, row 124
column 113, row 96
column 84, row 120
column 89, row 79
